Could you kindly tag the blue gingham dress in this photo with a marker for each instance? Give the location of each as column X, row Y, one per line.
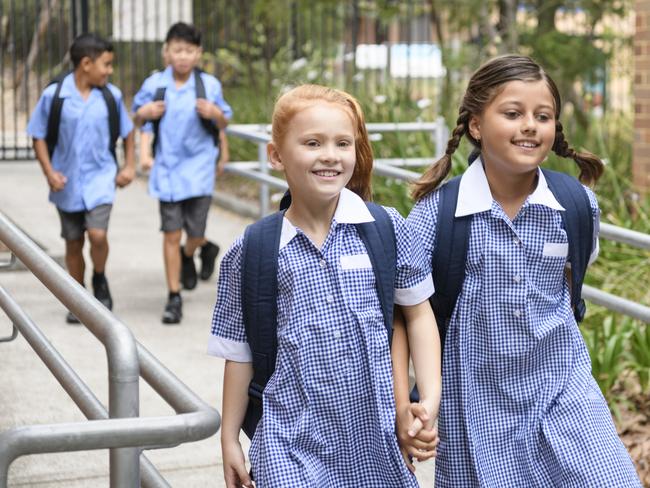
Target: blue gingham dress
column 519, row 407
column 329, row 414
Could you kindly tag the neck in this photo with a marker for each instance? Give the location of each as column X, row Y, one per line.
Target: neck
column 181, row 78
column 82, row 83
column 312, row 217
column 511, row 190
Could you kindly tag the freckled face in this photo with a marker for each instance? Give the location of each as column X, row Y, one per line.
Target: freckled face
column 317, row 153
column 517, row 128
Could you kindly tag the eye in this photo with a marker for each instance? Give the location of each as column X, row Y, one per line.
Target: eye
column 312, row 143
column 544, row 117
column 344, row 144
column 511, row 114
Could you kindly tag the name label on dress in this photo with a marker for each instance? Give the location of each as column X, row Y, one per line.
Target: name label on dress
column 556, row 249
column 355, row 261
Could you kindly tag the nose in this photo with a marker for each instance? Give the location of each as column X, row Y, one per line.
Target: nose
column 330, row 153
column 529, row 124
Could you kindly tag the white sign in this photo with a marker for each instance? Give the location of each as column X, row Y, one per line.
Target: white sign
column 414, row 60
column 148, row 20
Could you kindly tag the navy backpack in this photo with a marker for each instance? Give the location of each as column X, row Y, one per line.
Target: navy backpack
column 54, row 119
column 452, row 241
column 207, row 124
column 259, row 293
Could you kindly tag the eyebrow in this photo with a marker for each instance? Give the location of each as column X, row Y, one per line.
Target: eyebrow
column 519, row 104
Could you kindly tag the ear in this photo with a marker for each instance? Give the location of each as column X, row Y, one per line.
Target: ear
column 274, row 156
column 85, row 63
column 475, row 127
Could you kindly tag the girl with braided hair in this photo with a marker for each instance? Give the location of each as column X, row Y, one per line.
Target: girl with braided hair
column 519, row 404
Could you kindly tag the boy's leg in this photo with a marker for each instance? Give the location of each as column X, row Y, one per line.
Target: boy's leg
column 72, row 231
column 195, row 216
column 97, row 225
column 171, row 224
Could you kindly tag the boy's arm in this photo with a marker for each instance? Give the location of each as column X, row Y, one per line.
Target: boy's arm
column 210, row 110
column 55, row 179
column 146, row 158
column 236, row 378
column 127, row 173
column 224, row 152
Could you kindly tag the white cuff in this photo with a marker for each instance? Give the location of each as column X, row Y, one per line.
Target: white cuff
column 416, row 294
column 230, row 350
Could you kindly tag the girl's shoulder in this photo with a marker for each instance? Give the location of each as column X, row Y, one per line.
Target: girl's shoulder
column 593, row 200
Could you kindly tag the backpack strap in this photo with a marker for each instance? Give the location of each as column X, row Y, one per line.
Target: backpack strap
column 54, row 119
column 208, row 124
column 158, row 96
column 579, row 226
column 449, row 255
column 259, row 292
column 113, row 119
column 379, row 239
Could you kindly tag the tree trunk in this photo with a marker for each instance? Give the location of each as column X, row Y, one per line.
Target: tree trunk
column 22, row 77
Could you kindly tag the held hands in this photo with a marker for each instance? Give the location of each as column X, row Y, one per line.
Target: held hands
column 146, row 161
column 416, row 435
column 207, row 109
column 234, row 465
column 125, row 176
column 151, row 110
column 56, row 180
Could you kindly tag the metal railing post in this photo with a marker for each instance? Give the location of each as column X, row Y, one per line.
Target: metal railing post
column 264, row 169
column 121, row 352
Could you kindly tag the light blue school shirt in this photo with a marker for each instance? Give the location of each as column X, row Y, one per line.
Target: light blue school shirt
column 329, row 410
column 519, row 405
column 82, row 151
column 186, row 157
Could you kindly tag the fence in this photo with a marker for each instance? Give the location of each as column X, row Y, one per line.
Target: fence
column 118, row 429
column 258, row 171
column 350, row 44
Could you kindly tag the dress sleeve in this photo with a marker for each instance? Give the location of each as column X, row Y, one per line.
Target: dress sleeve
column 227, row 334
column 595, row 212
column 413, row 283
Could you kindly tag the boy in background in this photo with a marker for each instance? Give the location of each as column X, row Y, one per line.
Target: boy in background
column 183, row 174
column 74, row 126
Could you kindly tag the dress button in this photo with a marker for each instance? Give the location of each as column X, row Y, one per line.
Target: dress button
column 517, row 313
column 517, row 278
column 323, row 264
column 337, row 334
column 516, row 240
column 329, row 298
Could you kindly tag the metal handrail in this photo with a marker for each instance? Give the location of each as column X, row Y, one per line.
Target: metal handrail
column 126, row 360
column 389, row 167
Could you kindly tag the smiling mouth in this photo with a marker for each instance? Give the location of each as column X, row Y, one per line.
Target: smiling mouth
column 327, row 173
column 526, row 144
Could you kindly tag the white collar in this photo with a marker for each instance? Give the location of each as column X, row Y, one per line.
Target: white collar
column 350, row 209
column 474, row 193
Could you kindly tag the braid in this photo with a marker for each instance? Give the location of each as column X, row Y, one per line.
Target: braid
column 591, row 167
column 437, row 172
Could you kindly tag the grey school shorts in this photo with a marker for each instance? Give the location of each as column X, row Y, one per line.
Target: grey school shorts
column 190, row 214
column 74, row 224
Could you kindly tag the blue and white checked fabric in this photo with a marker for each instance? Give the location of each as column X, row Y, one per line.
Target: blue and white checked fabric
column 519, row 405
column 329, row 413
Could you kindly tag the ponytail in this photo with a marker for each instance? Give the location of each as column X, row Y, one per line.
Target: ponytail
column 591, row 167
column 433, row 176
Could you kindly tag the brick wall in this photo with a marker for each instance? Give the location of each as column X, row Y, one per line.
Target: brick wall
column 641, row 152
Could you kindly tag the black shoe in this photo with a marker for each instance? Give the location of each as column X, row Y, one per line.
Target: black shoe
column 173, row 310
column 101, row 291
column 70, row 318
column 188, row 271
column 209, row 253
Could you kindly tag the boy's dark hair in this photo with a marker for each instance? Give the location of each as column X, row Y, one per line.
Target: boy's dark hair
column 181, row 31
column 88, row 45
column 483, row 87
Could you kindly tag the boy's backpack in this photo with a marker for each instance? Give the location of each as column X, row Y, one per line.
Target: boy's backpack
column 452, row 240
column 259, row 291
column 208, row 124
column 54, row 120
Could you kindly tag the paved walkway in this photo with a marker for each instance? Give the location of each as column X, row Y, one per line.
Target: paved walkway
column 29, row 394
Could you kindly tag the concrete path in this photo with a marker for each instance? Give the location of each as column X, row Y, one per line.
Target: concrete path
column 29, row 394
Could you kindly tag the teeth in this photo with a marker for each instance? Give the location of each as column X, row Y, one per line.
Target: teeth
column 326, row 173
column 526, row 144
